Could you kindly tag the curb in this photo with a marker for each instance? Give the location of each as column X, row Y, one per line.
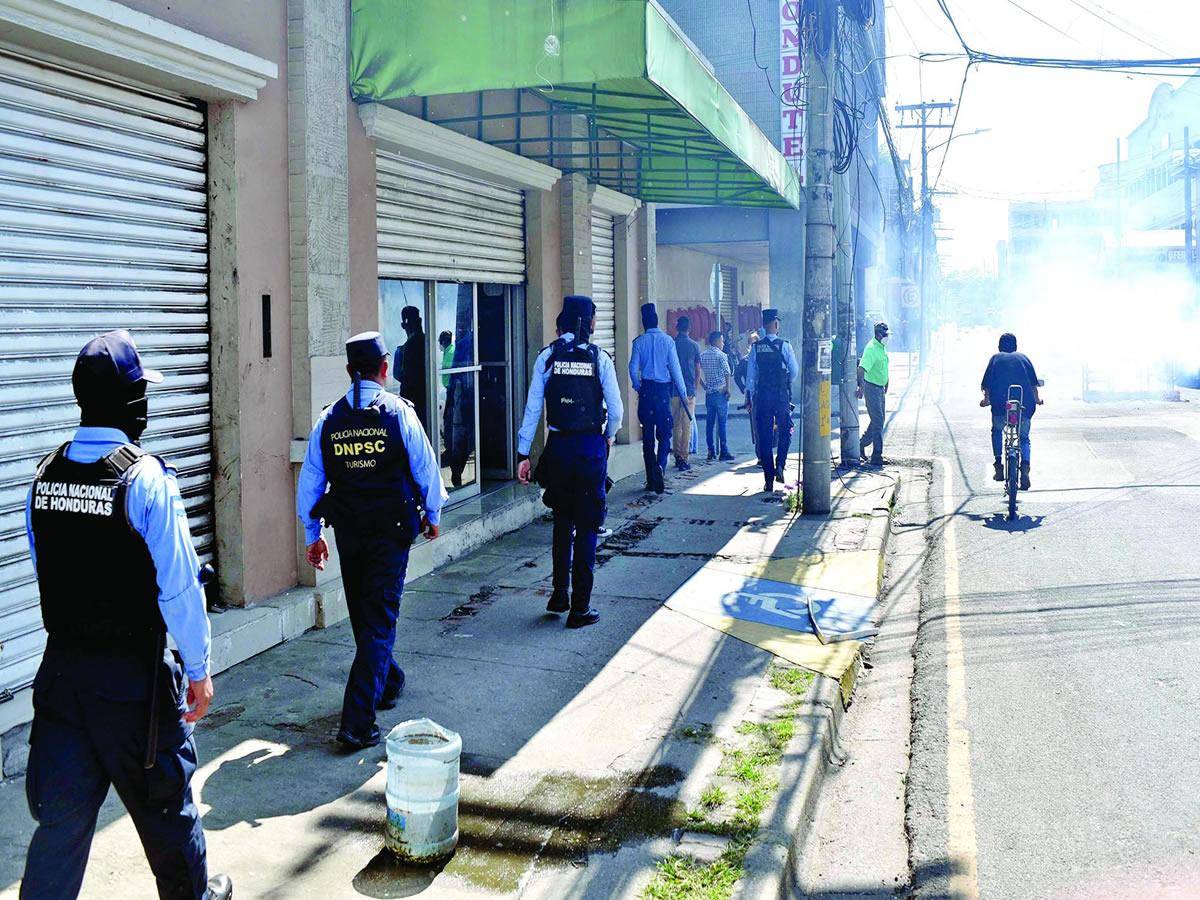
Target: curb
column 771, row 866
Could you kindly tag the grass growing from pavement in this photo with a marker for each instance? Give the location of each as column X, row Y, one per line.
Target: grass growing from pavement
column 751, row 767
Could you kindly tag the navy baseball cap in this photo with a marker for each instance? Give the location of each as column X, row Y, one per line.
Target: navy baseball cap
column 365, row 350
column 108, row 366
column 578, row 306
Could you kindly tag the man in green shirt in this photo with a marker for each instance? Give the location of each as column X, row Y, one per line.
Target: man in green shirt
column 873, row 384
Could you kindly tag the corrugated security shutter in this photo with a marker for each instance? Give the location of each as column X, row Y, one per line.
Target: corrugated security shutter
column 439, row 225
column 604, row 283
column 728, row 311
column 103, row 225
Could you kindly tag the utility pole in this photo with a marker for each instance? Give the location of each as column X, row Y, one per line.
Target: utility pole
column 845, row 362
column 1189, row 259
column 1120, row 224
column 816, row 352
column 922, row 112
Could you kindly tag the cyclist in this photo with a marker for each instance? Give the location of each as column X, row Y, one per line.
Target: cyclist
column 1004, row 369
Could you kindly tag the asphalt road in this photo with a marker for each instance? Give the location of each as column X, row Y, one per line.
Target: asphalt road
column 1054, row 748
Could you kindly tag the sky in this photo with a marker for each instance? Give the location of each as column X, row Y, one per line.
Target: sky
column 1049, row 129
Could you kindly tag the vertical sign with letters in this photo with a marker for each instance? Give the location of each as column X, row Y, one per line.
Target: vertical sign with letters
column 791, row 81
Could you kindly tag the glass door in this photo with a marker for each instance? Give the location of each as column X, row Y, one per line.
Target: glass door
column 457, row 387
column 496, row 382
column 403, row 318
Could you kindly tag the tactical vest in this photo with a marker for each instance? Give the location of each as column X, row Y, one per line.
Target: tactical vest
column 97, row 580
column 574, row 393
column 371, row 487
column 771, row 373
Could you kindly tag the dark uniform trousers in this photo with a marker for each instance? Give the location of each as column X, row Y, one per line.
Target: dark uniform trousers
column 576, row 466
column 773, row 422
column 91, row 710
column 654, row 414
column 373, row 570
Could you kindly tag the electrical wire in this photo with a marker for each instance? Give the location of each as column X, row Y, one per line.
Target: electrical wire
column 1111, row 24
column 1048, row 24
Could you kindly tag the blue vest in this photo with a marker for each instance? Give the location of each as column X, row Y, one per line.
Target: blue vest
column 772, row 382
column 96, row 578
column 371, row 487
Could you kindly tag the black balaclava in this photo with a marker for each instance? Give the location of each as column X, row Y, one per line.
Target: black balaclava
column 130, row 413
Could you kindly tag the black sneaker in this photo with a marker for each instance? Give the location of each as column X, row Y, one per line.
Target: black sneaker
column 711, row 456
column 391, row 698
column 559, row 601
column 682, row 465
column 359, row 741
column 726, row 457
column 582, row 618
column 998, row 471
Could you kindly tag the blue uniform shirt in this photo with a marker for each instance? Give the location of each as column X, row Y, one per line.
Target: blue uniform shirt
column 654, row 358
column 421, row 459
column 789, row 360
column 537, row 394
column 156, row 512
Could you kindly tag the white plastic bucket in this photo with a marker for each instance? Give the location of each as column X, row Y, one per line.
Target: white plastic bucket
column 422, row 790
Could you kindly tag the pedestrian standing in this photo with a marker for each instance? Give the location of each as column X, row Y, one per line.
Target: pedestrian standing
column 655, row 374
column 873, row 385
column 718, row 385
column 769, row 375
column 116, row 571
column 576, row 381
column 683, row 408
column 739, row 378
column 384, row 488
column 731, row 348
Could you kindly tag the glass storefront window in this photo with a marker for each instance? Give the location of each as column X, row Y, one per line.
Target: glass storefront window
column 403, row 312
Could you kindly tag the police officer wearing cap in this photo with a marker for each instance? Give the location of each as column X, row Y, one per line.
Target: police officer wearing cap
column 770, row 371
column 116, row 570
column 370, row 474
column 577, row 383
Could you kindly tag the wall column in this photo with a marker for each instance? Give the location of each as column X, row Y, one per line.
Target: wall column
column 318, row 211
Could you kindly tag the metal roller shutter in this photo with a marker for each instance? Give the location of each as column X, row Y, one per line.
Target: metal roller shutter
column 434, row 224
column 604, row 282
column 102, row 225
column 728, row 311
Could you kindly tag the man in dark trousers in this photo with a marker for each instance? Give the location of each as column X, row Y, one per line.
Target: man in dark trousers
column 384, row 488
column 771, row 369
column 1005, row 369
column 412, row 370
column 116, row 570
column 873, row 381
column 577, row 383
column 655, row 374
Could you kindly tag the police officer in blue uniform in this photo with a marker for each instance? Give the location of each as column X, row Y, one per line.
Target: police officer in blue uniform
column 656, row 375
column 577, row 383
column 116, row 570
column 372, row 475
column 769, row 375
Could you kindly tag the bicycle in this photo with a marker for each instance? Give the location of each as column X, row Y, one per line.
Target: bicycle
column 1013, row 408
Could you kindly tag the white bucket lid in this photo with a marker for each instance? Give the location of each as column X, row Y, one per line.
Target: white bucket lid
column 424, row 737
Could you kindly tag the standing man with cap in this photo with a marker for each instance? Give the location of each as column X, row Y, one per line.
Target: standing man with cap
column 873, row 384
column 384, row 488
column 116, row 569
column 577, row 383
column 655, row 374
column 771, row 369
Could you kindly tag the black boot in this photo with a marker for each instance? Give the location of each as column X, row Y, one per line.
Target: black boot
column 998, row 475
column 559, row 601
column 1025, row 476
column 581, row 618
column 220, row 887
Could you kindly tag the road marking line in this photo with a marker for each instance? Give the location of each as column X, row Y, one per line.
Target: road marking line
column 960, row 801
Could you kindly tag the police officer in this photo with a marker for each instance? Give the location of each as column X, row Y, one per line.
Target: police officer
column 770, row 371
column 116, row 570
column 656, row 375
column 384, row 487
column 577, row 382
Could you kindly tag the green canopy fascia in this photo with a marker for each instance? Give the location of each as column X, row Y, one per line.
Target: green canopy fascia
column 620, row 63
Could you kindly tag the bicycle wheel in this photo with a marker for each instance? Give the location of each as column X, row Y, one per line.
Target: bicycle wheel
column 1012, row 482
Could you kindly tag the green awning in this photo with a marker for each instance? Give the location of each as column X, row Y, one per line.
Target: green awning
column 622, row 64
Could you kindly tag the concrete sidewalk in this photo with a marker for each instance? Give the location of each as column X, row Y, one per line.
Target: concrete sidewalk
column 583, row 750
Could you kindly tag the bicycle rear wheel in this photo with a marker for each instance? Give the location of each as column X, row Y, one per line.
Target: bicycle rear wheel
column 1012, row 482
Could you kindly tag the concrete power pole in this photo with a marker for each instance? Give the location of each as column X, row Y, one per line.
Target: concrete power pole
column 846, row 378
column 816, row 357
column 922, row 112
column 1189, row 258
